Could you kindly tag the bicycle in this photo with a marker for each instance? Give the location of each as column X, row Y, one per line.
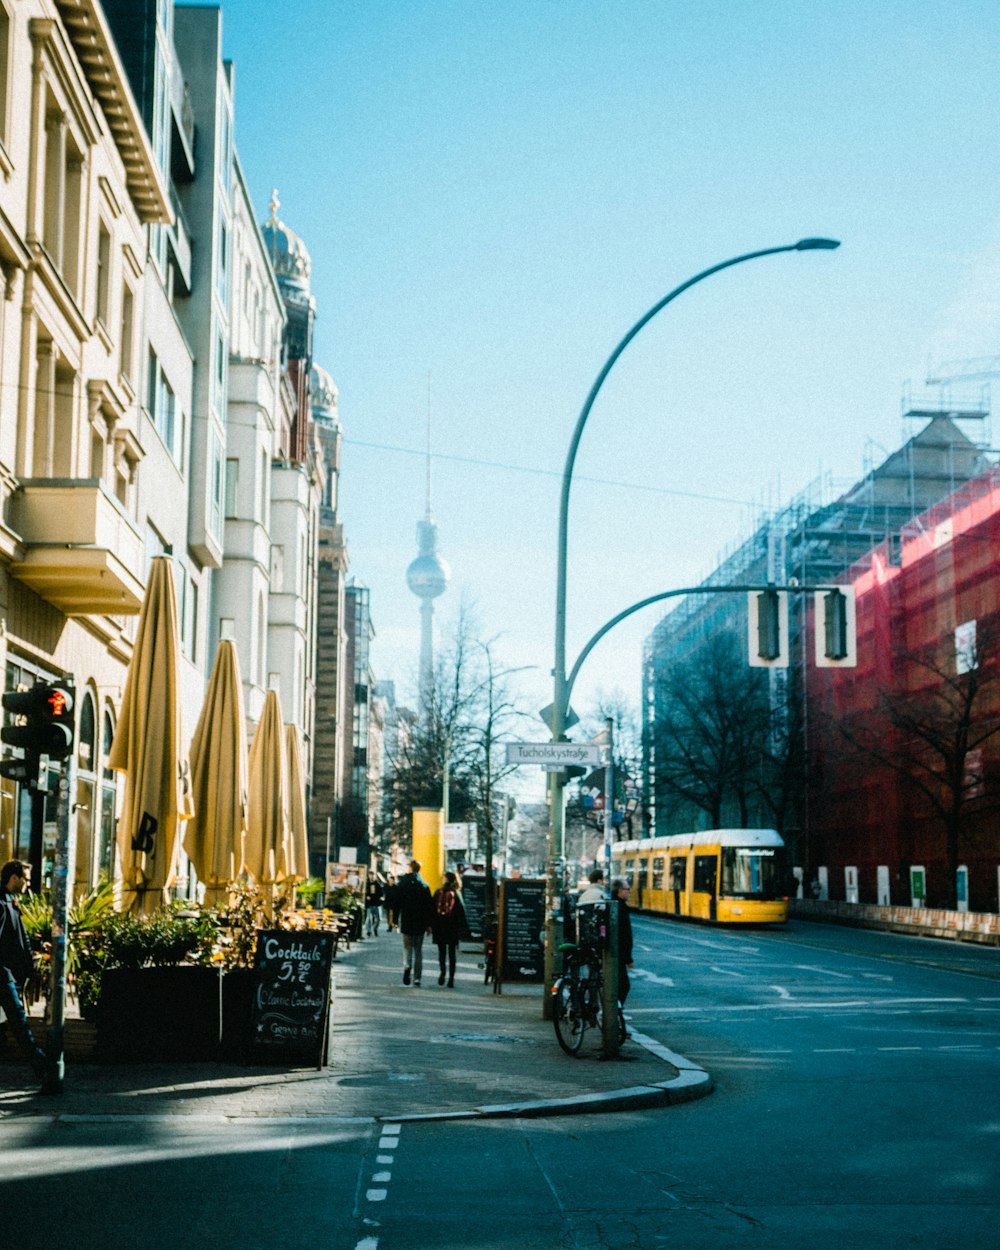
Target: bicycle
column 578, row 997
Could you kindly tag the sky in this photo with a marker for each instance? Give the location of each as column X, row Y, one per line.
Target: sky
column 493, row 194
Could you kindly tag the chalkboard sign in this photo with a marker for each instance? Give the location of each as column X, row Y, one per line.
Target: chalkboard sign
column 291, row 998
column 474, row 899
column 521, row 954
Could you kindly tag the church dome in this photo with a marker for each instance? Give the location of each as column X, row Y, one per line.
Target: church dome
column 324, row 395
column 290, row 257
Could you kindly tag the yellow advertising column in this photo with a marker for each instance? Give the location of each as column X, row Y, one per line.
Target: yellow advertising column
column 428, row 843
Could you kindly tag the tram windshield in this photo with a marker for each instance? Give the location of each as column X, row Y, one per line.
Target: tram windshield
column 754, row 872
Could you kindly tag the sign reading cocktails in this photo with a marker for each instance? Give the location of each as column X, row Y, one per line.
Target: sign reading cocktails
column 291, row 1001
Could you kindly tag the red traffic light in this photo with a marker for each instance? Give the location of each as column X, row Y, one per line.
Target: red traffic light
column 47, row 726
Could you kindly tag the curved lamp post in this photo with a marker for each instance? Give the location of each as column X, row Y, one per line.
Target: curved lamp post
column 560, row 693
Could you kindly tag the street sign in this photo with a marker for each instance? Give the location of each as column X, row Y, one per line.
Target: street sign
column 546, row 715
column 459, row 836
column 553, row 754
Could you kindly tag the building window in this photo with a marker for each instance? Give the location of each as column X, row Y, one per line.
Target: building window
column 232, row 488
column 222, row 264
column 127, row 334
column 161, row 404
column 218, row 488
column 103, row 275
column 4, row 69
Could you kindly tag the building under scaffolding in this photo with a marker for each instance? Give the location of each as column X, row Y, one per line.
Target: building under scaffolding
column 811, row 541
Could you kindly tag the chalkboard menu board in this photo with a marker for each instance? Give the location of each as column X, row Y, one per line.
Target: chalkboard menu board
column 291, row 998
column 521, row 954
column 474, row 899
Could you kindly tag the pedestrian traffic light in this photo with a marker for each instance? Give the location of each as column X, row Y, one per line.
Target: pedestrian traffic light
column 767, row 624
column 46, row 727
column 836, row 627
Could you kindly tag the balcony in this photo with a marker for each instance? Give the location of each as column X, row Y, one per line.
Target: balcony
column 82, row 553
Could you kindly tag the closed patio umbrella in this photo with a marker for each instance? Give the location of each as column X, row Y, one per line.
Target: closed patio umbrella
column 213, row 838
column 148, row 748
column 297, row 859
column 267, row 818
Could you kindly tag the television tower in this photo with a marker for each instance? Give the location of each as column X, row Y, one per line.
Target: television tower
column 427, row 577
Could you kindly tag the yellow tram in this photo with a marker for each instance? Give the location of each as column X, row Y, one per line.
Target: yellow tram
column 722, row 876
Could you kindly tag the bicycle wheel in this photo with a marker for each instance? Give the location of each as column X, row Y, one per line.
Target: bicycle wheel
column 567, row 1018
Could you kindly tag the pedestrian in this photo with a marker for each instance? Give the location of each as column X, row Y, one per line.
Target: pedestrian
column 413, row 908
column 446, row 925
column 373, row 905
column 587, row 914
column 16, row 963
column 389, row 902
column 594, row 893
column 620, row 891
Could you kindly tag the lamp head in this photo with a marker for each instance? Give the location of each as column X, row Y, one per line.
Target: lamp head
column 812, row 245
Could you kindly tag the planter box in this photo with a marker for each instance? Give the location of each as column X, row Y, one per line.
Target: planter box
column 158, row 1015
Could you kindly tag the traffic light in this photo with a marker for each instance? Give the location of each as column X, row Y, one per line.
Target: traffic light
column 46, row 728
column 767, row 623
column 836, row 627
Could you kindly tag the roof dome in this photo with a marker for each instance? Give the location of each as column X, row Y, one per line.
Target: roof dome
column 289, row 255
column 324, row 395
column 428, row 576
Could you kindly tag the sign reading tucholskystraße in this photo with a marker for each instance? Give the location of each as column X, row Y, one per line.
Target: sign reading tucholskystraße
column 553, row 753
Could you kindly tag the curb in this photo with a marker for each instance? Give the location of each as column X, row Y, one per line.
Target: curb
column 691, row 1083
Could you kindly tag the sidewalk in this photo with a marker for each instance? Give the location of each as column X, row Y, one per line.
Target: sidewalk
column 396, row 1053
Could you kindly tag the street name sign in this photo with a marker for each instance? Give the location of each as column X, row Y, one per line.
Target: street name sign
column 553, row 754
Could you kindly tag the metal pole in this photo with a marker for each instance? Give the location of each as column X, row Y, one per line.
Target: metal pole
column 559, row 700
column 609, row 803
column 609, row 1004
column 62, row 889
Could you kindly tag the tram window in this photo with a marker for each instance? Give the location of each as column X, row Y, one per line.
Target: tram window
column 678, row 872
column 758, row 872
column 704, row 874
column 629, row 873
column 641, row 866
column 657, row 883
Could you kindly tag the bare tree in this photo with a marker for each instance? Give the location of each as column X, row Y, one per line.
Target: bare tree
column 453, row 758
column 492, row 714
column 941, row 713
column 712, row 735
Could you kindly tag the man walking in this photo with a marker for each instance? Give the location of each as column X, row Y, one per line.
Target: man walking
column 413, row 908
column 15, row 961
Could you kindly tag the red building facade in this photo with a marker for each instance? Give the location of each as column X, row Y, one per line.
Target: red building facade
column 904, row 748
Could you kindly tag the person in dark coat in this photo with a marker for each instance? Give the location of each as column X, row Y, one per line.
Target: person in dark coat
column 620, row 891
column 446, row 924
column 16, row 963
column 374, row 899
column 413, row 907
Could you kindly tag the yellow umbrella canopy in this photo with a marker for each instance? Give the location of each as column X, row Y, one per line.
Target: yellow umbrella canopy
column 213, row 838
column 148, row 748
column 297, row 861
column 267, row 817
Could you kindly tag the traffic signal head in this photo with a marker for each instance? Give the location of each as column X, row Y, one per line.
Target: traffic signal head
column 836, row 628
column 767, row 621
column 47, row 725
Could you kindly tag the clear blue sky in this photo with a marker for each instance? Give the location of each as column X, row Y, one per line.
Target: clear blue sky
column 493, row 193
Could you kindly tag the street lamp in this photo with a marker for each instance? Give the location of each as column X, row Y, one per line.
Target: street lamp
column 559, row 699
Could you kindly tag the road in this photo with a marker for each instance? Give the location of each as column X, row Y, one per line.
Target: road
column 856, row 1104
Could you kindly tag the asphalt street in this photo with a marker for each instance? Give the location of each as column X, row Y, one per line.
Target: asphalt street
column 855, row 1105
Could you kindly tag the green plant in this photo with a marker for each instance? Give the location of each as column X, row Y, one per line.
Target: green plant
column 306, row 891
column 344, row 899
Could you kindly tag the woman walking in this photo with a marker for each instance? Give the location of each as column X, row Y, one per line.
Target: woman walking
column 446, row 924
